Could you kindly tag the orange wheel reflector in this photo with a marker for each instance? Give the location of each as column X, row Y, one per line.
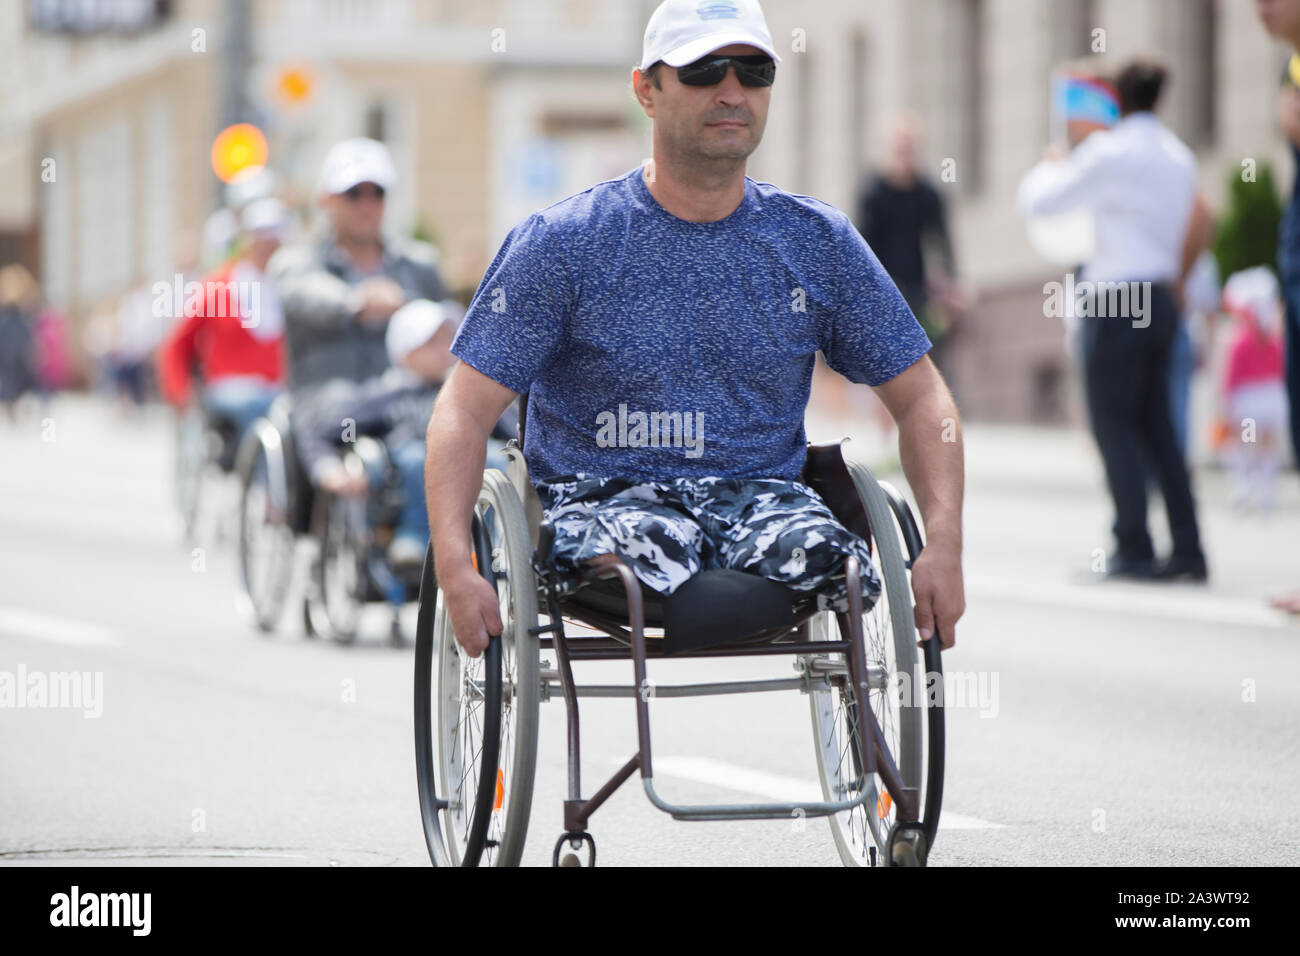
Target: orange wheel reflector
column 883, row 803
column 501, row 790
column 473, row 558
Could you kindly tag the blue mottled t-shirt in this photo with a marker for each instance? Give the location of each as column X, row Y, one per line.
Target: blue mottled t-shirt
column 656, row 348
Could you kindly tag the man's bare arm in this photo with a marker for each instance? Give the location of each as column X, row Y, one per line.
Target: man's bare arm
column 930, row 448
column 1200, row 232
column 468, row 406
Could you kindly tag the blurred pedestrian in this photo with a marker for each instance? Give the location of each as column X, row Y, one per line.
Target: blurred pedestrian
column 1139, row 181
column 53, row 359
column 19, row 297
column 1200, row 306
column 339, row 295
column 1253, row 385
column 139, row 331
column 232, row 330
column 1083, row 102
column 901, row 216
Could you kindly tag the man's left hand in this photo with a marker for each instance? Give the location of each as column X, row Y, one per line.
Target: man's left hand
column 939, row 592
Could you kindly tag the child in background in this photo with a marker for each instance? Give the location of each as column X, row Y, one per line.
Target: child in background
column 1253, row 387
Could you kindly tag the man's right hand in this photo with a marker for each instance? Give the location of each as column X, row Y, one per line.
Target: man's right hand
column 473, row 608
column 377, row 298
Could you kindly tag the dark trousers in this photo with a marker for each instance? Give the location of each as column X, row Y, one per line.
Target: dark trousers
column 1293, row 363
column 1126, row 377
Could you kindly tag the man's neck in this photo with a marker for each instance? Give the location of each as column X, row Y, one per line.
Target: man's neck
column 695, row 194
column 365, row 254
column 901, row 177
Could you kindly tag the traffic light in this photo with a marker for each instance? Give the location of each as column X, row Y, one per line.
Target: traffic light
column 236, row 148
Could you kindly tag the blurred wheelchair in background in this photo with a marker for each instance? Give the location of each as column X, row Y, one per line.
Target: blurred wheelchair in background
column 205, row 451
column 348, row 536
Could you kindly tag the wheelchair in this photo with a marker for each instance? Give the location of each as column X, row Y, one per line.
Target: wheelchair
column 204, row 453
column 879, row 749
column 279, row 507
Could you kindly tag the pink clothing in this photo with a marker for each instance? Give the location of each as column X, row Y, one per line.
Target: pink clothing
column 1253, row 357
column 54, row 364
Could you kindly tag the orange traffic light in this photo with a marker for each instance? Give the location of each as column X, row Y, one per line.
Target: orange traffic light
column 236, row 148
column 294, row 85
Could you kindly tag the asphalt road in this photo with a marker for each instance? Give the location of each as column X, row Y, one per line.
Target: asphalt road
column 1123, row 724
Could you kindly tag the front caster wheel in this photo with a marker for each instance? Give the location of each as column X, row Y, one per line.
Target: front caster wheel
column 907, row 845
column 568, row 857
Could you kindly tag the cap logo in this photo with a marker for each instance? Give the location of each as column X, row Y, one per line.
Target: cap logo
column 717, row 10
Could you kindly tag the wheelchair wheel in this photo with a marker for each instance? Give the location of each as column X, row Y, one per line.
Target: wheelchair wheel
column 336, row 591
column 192, row 456
column 266, row 539
column 889, row 631
column 476, row 718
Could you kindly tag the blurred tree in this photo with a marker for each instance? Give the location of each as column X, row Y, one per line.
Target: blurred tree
column 423, row 232
column 1247, row 234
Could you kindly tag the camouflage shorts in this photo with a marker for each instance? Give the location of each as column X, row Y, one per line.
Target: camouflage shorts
column 667, row 531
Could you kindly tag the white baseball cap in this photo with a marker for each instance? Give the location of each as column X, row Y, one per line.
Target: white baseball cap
column 353, row 161
column 411, row 326
column 266, row 217
column 250, row 184
column 682, row 31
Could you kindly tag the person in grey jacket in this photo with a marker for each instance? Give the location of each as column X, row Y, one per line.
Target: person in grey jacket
column 339, row 295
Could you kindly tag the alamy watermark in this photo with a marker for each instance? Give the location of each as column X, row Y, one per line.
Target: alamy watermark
column 177, row 299
column 950, row 689
column 651, row 430
column 62, row 690
column 1101, row 299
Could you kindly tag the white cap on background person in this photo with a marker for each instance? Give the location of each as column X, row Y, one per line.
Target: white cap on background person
column 682, row 31
column 265, row 217
column 251, row 184
column 351, row 162
column 411, row 326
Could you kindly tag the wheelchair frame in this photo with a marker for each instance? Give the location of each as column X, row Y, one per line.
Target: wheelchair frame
column 913, row 833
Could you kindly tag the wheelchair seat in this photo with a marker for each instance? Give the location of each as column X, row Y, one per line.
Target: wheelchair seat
column 721, row 606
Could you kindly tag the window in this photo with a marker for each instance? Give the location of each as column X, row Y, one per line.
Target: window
column 56, row 230
column 857, row 100
column 970, row 92
column 803, row 124
column 105, row 203
column 1199, row 116
column 1072, row 25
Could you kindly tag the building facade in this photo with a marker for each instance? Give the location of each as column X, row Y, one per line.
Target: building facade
column 494, row 108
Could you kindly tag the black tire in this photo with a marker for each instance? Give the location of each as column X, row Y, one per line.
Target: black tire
column 493, row 770
column 339, row 579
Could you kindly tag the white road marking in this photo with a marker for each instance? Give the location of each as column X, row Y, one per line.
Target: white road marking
column 1169, row 601
column 19, row 622
column 772, row 786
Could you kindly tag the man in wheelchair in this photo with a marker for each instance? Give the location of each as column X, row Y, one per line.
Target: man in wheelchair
column 395, row 408
column 664, row 325
column 233, row 336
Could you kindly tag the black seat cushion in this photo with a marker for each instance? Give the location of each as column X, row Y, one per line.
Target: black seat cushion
column 713, row 608
column 722, row 606
column 607, row 598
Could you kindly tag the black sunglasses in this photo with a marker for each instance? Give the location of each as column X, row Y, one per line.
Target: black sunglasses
column 356, row 192
column 754, row 70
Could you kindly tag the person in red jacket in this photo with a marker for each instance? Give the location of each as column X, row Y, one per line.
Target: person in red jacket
column 232, row 330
